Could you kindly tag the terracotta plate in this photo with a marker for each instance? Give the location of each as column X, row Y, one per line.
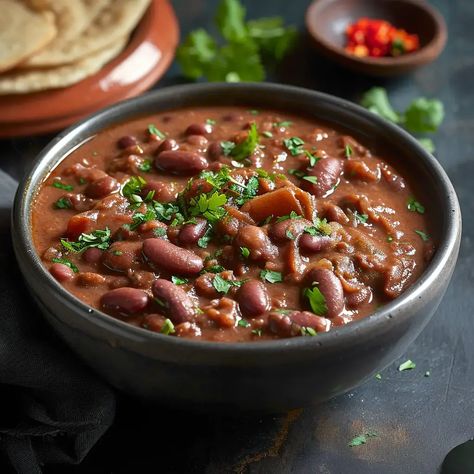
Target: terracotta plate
column 145, row 59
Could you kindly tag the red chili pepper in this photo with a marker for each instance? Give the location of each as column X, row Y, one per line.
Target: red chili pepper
column 379, row 38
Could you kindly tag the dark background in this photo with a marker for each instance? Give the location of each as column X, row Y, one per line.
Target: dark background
column 418, row 419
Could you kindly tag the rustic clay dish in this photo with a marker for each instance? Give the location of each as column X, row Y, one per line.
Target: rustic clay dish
column 269, row 375
column 326, row 21
column 144, row 60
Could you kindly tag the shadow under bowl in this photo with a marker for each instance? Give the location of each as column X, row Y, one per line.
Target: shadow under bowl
column 327, row 20
column 269, row 375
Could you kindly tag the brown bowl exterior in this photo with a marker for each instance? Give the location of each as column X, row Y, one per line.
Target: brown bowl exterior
column 266, row 376
column 326, row 21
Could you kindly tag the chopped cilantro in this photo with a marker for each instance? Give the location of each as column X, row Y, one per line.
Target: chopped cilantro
column 361, row 439
column 145, row 166
column 59, row 185
column 132, row 189
column 213, row 269
column 307, row 331
column 294, row 145
column 290, row 234
column 243, row 323
column 348, row 151
column 311, row 179
column 291, row 215
column 96, row 239
column 245, row 148
column 362, row 218
column 258, row 332
column 168, row 327
column 427, row 144
column 140, row 218
column 317, row 301
column 312, row 158
column 283, row 124
column 154, row 131
column 407, row 365
column 227, row 147
column 415, row 206
column 210, row 121
column 389, row 238
column 245, row 252
column 223, row 286
column 271, row 276
column 319, row 227
column 66, row 262
column 209, row 206
column 117, row 253
column 179, row 281
column 424, row 236
column 423, row 115
column 267, row 134
column 298, row 173
column 63, row 203
column 159, row 231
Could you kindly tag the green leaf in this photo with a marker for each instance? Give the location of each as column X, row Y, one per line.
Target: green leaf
column 362, row 218
column 424, row 236
column 245, row 252
column 66, row 262
column 132, row 189
column 307, row 331
column 378, row 376
column 227, row 147
column 319, row 227
column 221, row 285
column 145, row 166
column 284, row 124
column 196, row 53
column 311, row 179
column 243, row 323
column 376, row 100
column 245, row 148
column 361, row 439
column 230, row 19
column 258, row 332
column 209, row 206
column 179, row 281
column 414, row 206
column 348, row 151
column 59, row 185
column 63, row 203
column 168, row 327
column 154, row 131
column 96, row 239
column 407, row 365
column 424, row 115
column 271, row 276
column 294, row 145
column 427, row 144
column 317, row 301
column 267, row 134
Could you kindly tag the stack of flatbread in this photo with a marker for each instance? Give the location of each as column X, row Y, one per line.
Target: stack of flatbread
column 47, row 44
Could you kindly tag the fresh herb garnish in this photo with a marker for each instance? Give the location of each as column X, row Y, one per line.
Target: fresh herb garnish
column 312, row 158
column 167, row 328
column 210, row 121
column 389, row 238
column 283, row 124
column 243, row 323
column 378, row 376
column 298, row 173
column 307, row 331
column 362, row 218
column 213, row 269
column 59, row 185
column 159, row 231
column 271, row 276
column 258, row 332
column 208, row 206
column 290, row 234
column 291, row 215
column 96, row 239
column 407, row 365
column 245, row 148
column 248, row 45
column 66, row 262
column 140, row 218
column 245, row 252
column 361, row 439
column 267, row 134
column 414, row 206
column 424, row 236
column 132, row 189
column 154, row 131
column 311, row 179
column 294, row 145
column 145, row 166
column 227, row 147
column 427, row 144
column 117, row 253
column 317, row 301
column 348, row 151
column 179, row 281
column 223, row 286
column 319, row 227
column 63, row 203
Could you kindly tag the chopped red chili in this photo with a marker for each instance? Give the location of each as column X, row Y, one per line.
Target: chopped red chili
column 379, row 38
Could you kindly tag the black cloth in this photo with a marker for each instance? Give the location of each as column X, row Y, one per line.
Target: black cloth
column 53, row 409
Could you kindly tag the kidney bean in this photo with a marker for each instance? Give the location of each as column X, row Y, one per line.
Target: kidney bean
column 141, row 278
column 187, row 329
column 253, row 299
column 314, row 243
column 197, row 140
column 287, row 325
column 288, row 229
column 167, row 256
column 124, row 300
column 122, row 256
column 163, row 192
column 61, row 272
column 50, row 253
column 79, row 202
column 175, row 301
column 81, row 223
column 127, row 141
column 204, row 287
column 357, row 298
column 214, row 151
column 92, row 255
column 153, row 322
column 90, row 279
column 327, row 172
column 152, row 229
column 331, row 288
column 222, row 311
column 199, row 129
column 255, row 239
column 102, row 187
column 180, row 162
column 191, row 233
column 167, row 144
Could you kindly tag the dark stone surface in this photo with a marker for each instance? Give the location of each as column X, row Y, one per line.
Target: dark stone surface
column 418, row 419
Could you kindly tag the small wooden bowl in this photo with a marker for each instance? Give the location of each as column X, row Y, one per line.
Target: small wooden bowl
column 327, row 20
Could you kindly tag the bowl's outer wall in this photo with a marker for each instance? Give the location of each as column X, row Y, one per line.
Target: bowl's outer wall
column 261, row 376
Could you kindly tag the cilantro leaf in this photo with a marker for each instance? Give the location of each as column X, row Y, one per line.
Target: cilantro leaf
column 227, row 147
column 59, row 185
column 154, row 131
column 230, row 19
column 427, row 144
column 243, row 323
column 307, row 331
column 209, row 206
column 376, row 100
column 348, row 151
column 145, row 166
column 424, row 115
column 361, row 439
column 63, row 203
column 196, row 53
column 245, row 252
column 179, row 281
column 98, row 239
column 168, row 327
column 271, row 276
column 311, row 179
column 414, row 206
column 132, row 189
column 66, row 262
column 362, row 218
column 294, row 145
column 317, row 301
column 245, row 148
column 424, row 236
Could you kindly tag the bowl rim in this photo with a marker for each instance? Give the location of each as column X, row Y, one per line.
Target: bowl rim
column 373, row 324
column 432, row 49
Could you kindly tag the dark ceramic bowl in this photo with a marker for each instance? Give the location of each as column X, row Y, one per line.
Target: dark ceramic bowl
column 270, row 376
column 327, row 20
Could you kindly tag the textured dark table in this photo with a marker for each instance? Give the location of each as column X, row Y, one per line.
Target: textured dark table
column 418, row 419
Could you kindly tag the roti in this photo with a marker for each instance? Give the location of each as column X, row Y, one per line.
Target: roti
column 34, row 80
column 118, row 18
column 23, row 32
